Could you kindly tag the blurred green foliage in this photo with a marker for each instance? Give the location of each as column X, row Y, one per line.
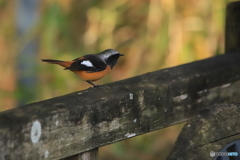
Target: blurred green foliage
column 153, row 34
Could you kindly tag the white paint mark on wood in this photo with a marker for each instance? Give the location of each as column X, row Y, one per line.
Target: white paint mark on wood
column 226, row 85
column 129, row 135
column 46, row 154
column 36, row 131
column 202, row 91
column 135, row 120
column 56, row 123
column 131, row 96
column 179, row 98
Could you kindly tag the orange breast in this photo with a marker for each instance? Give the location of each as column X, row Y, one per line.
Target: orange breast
column 92, row 76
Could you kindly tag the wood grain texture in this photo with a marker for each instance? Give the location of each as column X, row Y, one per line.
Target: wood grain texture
column 232, row 28
column 211, row 130
column 81, row 121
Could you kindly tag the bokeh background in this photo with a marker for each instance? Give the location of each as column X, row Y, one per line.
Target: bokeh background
column 153, row 34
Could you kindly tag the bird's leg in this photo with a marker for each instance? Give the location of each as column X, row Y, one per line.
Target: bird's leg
column 93, row 84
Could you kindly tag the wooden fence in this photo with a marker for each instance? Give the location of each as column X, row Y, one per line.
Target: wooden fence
column 74, row 126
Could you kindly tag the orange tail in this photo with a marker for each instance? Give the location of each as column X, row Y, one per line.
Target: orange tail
column 61, row 63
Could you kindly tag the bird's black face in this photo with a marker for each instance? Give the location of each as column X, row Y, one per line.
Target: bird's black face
column 112, row 60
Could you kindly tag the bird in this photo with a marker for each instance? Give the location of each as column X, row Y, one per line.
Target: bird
column 91, row 67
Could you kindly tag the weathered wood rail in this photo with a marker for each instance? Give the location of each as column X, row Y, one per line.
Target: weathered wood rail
column 210, row 130
column 73, row 126
column 82, row 121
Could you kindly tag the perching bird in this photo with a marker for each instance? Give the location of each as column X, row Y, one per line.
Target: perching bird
column 91, row 67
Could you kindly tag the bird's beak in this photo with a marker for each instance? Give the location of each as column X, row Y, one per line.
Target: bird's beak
column 121, row 54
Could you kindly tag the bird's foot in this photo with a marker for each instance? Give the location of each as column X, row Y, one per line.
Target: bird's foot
column 99, row 86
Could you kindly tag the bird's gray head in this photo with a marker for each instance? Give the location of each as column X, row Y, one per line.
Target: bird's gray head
column 109, row 56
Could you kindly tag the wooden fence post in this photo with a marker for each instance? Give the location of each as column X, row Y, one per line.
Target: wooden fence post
column 232, row 29
column 90, row 155
column 211, row 130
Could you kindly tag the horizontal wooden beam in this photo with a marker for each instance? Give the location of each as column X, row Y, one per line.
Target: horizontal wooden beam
column 84, row 120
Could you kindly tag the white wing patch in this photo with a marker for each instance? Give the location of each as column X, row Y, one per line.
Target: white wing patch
column 87, row 63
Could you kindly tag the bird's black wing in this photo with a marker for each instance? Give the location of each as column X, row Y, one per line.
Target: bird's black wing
column 88, row 63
